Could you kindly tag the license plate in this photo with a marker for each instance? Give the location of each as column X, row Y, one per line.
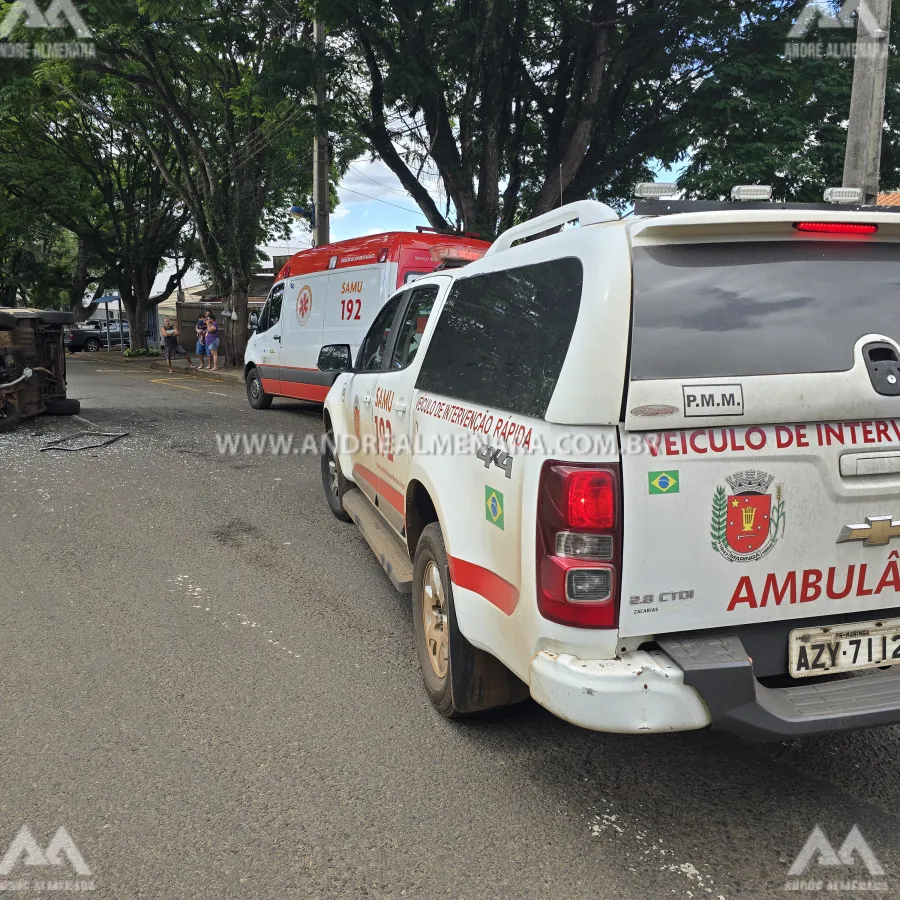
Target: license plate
column 844, row 648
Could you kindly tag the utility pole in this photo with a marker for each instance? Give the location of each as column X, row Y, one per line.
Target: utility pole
column 321, row 228
column 862, row 158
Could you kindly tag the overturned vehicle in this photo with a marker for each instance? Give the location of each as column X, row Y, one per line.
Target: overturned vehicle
column 33, row 365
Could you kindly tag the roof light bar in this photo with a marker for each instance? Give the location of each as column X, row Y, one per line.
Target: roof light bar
column 469, row 254
column 654, row 190
column 843, row 195
column 751, row 192
column 836, row 227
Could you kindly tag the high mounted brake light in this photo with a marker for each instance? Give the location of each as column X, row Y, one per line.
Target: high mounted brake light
column 836, row 227
column 579, row 544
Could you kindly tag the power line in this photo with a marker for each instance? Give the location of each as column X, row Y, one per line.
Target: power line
column 380, row 184
column 377, row 200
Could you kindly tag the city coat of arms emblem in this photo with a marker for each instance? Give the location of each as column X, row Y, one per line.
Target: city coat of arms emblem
column 746, row 523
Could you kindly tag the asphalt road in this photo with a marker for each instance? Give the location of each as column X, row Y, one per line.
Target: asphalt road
column 210, row 683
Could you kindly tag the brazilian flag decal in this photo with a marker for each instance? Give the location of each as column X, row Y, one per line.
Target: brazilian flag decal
column 663, row 482
column 493, row 506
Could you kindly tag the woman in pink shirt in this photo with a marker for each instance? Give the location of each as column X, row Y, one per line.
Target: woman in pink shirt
column 212, row 340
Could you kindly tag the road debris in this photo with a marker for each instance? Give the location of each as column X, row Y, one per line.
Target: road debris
column 110, row 438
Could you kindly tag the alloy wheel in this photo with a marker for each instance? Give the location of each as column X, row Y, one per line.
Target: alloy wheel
column 434, row 619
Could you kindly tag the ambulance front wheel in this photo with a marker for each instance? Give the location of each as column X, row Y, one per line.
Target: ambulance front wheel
column 257, row 397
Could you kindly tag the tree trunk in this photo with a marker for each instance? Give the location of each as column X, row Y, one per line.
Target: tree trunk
column 135, row 306
column 236, row 329
column 80, row 279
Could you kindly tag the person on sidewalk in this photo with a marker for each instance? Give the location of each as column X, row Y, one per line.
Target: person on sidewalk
column 212, row 340
column 174, row 350
column 201, row 341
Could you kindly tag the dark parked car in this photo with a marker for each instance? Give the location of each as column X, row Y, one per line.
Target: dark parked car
column 33, row 365
column 93, row 339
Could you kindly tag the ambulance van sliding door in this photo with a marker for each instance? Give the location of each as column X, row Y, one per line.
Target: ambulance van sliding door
column 302, row 316
column 355, row 295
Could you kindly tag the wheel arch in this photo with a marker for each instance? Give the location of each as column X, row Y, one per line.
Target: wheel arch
column 421, row 511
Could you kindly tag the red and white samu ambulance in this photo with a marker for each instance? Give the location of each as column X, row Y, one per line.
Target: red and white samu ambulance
column 329, row 295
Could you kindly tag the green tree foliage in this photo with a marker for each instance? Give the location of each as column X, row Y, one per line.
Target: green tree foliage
column 769, row 117
column 227, row 84
column 91, row 177
column 41, row 263
column 522, row 104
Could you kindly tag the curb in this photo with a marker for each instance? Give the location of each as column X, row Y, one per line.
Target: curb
column 156, row 364
column 224, row 375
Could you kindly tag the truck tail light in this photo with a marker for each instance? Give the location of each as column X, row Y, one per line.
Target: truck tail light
column 579, row 544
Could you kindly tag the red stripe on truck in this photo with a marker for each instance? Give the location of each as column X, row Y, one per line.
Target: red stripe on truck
column 382, row 488
column 488, row 584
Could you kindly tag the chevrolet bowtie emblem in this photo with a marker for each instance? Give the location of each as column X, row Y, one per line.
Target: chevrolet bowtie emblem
column 876, row 531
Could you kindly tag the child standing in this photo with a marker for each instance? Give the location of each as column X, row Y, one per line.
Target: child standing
column 200, row 329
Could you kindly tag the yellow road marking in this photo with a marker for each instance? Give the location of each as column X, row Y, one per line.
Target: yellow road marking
column 168, row 383
column 166, row 380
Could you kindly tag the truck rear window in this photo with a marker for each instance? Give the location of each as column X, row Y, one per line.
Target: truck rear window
column 759, row 307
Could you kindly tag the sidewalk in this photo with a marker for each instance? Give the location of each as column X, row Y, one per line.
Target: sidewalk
column 115, row 358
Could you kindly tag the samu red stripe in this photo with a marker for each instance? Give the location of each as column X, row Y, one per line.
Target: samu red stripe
column 488, row 584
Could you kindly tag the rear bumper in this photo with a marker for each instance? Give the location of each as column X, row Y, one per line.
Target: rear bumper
column 718, row 668
column 705, row 680
column 641, row 693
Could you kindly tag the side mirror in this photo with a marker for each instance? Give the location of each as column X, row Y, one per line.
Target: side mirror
column 335, row 358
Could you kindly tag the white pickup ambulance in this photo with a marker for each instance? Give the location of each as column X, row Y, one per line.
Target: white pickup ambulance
column 330, row 295
column 646, row 470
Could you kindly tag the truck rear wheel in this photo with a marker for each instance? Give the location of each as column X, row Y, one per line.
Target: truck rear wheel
column 256, row 396
column 460, row 679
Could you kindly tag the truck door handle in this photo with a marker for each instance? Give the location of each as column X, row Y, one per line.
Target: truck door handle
column 276, row 337
column 367, row 399
column 400, row 407
column 884, row 463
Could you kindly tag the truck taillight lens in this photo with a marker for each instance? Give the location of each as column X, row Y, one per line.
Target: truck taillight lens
column 579, row 544
column 584, row 585
column 598, row 547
